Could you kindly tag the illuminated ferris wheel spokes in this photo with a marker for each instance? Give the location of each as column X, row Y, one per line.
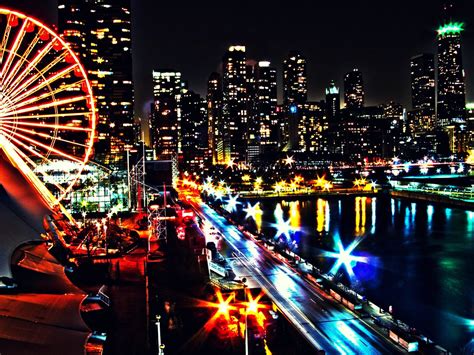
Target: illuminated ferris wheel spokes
column 47, row 109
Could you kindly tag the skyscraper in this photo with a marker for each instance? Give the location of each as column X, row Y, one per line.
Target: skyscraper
column 214, row 119
column 194, row 131
column 423, row 91
column 235, row 102
column 100, row 31
column 333, row 102
column 295, row 95
column 265, row 106
column 165, row 125
column 295, row 84
column 112, row 60
column 354, row 94
column 73, row 25
column 451, row 87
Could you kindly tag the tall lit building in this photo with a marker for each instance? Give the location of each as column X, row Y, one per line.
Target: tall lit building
column 235, row 104
column 165, row 124
column 354, row 94
column 423, row 82
column 451, row 87
column 295, row 80
column 100, row 31
column 194, row 131
column 423, row 92
column 333, row 102
column 266, row 105
column 215, row 122
column 166, row 82
column 73, row 25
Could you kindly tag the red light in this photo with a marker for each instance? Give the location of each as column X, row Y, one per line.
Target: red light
column 180, row 232
column 188, row 214
column 77, row 72
column 13, row 20
column 30, row 27
column 43, row 35
column 69, row 59
column 57, row 46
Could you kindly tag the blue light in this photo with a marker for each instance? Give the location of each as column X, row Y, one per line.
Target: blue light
column 283, row 228
column 429, row 212
column 252, row 211
column 232, row 203
column 343, row 256
column 293, row 109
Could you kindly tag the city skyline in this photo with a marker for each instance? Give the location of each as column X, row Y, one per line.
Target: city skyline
column 383, row 57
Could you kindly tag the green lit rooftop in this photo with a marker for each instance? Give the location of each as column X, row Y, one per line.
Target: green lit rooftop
column 451, row 28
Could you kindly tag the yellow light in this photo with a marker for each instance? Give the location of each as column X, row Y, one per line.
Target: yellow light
column 321, row 181
column 470, row 158
column 230, row 163
column 252, row 307
column 327, row 186
column 246, row 178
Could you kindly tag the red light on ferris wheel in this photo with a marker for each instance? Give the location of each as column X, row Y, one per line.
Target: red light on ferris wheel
column 13, row 20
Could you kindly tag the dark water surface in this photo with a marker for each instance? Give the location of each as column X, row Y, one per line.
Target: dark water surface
column 419, row 257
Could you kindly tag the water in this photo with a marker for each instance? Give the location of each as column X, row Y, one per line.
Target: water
column 415, row 256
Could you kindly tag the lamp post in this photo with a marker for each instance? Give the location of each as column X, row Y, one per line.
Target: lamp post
column 158, row 329
column 244, row 280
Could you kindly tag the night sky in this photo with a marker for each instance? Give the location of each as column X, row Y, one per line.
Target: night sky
column 378, row 37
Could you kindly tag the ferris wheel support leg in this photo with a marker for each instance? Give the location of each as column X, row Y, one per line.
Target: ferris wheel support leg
column 42, row 190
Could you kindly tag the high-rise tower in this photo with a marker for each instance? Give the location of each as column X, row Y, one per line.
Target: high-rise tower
column 423, row 91
column 295, row 81
column 451, row 87
column 165, row 125
column 354, row 95
column 235, row 103
column 333, row 101
column 100, row 32
column 214, row 119
column 266, row 104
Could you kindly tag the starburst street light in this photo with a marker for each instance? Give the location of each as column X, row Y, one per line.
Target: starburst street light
column 344, row 257
column 284, row 228
column 327, row 186
column 321, row 181
column 289, row 160
column 252, row 211
column 232, row 203
column 218, row 194
column 230, row 163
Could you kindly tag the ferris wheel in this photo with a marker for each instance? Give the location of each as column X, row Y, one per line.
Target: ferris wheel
column 47, row 109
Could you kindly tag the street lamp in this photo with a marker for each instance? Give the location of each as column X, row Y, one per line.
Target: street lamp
column 158, row 329
column 244, row 280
